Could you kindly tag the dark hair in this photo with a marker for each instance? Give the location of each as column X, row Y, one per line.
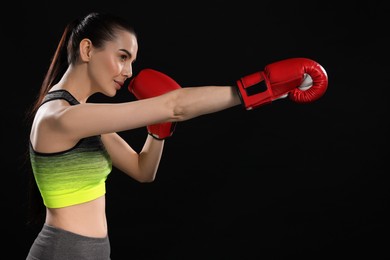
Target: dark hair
column 99, row 28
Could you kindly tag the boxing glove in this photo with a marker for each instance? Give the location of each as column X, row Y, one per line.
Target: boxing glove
column 150, row 83
column 283, row 78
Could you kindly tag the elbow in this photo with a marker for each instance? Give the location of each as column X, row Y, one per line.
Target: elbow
column 177, row 108
column 146, row 178
column 141, row 177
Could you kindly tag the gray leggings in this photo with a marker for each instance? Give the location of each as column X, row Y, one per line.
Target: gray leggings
column 58, row 244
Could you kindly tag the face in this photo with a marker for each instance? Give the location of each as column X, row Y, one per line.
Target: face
column 110, row 66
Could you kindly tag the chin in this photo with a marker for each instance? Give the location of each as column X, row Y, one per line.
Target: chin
column 111, row 93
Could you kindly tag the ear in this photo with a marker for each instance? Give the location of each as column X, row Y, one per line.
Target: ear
column 85, row 50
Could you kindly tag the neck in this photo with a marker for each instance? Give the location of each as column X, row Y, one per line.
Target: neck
column 75, row 82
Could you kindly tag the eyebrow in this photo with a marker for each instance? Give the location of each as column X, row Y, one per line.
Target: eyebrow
column 127, row 52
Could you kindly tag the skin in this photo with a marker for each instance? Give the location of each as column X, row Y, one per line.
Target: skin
column 58, row 126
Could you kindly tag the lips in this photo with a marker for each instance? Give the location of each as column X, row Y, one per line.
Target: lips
column 118, row 84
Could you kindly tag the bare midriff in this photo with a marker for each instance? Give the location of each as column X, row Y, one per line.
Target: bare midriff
column 87, row 219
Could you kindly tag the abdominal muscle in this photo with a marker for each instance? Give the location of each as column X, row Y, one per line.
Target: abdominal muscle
column 86, row 219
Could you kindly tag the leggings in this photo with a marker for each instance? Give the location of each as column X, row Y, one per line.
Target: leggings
column 57, row 244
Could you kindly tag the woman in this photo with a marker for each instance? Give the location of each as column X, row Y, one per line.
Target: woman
column 74, row 144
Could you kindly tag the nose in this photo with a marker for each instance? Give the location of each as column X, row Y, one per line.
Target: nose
column 127, row 70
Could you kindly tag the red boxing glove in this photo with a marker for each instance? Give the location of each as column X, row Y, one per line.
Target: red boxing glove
column 283, row 78
column 150, row 83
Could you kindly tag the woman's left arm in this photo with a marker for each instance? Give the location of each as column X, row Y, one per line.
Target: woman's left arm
column 140, row 166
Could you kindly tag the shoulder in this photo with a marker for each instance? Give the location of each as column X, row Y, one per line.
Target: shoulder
column 48, row 131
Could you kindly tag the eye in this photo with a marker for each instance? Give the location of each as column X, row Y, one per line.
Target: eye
column 123, row 57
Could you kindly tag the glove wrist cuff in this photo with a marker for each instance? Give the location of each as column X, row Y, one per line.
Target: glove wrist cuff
column 156, row 137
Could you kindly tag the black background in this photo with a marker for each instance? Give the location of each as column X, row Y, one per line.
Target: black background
column 282, row 181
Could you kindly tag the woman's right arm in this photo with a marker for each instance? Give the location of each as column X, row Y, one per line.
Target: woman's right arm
column 178, row 105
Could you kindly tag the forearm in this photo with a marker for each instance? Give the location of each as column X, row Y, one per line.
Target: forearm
column 149, row 158
column 177, row 103
column 191, row 102
column 186, row 103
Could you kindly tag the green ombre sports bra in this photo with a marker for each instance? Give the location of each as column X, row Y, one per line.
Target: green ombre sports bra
column 73, row 176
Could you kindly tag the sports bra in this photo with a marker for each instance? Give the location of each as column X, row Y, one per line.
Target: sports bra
column 75, row 175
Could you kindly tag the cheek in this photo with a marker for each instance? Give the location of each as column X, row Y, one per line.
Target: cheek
column 110, row 65
column 116, row 67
